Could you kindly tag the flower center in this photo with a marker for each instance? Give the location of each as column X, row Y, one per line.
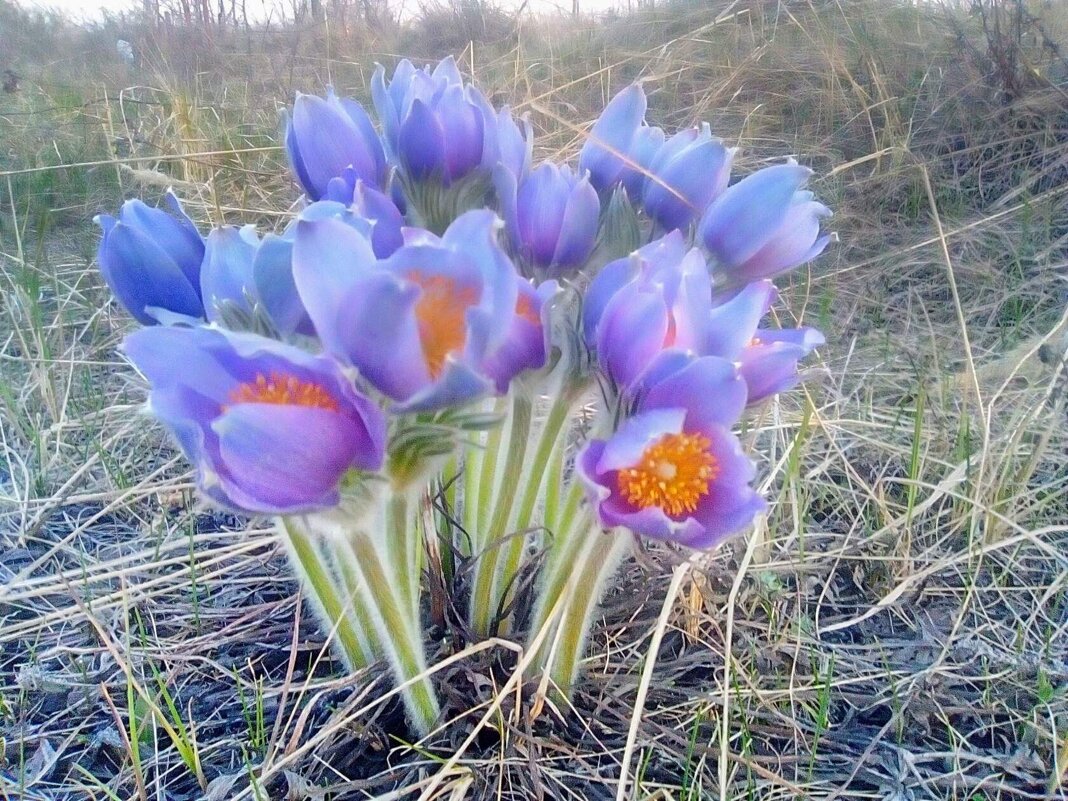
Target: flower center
column 284, row 390
column 441, row 314
column 672, row 332
column 524, row 308
column 673, row 474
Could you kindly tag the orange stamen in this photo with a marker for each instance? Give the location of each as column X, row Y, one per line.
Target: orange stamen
column 524, row 308
column 284, row 390
column 672, row 331
column 673, row 474
column 441, row 313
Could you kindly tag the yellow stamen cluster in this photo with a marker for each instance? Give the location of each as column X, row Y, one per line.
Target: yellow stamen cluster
column 284, row 390
column 441, row 313
column 673, row 474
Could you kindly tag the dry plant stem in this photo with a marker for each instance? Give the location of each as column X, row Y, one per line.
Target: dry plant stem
column 483, row 610
column 404, row 643
column 327, row 597
column 596, row 562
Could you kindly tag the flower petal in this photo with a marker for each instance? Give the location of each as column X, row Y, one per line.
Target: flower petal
column 227, row 273
column 142, row 274
column 285, row 459
column 693, row 388
column 741, row 220
column 609, row 141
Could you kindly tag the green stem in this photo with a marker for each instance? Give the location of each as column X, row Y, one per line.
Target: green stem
column 555, row 485
column 598, row 561
column 327, row 596
column 487, row 481
column 509, row 559
column 404, row 643
column 472, row 467
column 483, row 610
column 403, row 551
column 572, row 533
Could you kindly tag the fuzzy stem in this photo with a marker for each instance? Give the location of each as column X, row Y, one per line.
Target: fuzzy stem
column 472, row 469
column 554, row 486
column 508, row 558
column 327, row 596
column 404, row 643
column 596, row 563
column 483, row 610
column 403, row 554
column 487, row 481
column 571, row 533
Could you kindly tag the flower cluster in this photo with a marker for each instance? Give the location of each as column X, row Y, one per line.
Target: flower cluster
column 430, row 321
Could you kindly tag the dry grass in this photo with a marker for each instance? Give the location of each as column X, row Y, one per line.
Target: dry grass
column 895, row 629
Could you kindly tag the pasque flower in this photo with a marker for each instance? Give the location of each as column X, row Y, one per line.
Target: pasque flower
column 270, row 428
column 515, row 142
column 551, row 216
column 242, row 270
column 673, row 470
column 377, row 208
column 660, row 298
column 643, row 148
column 609, row 150
column 151, row 260
column 327, row 136
column 436, row 126
column 425, row 325
column 764, row 225
column 526, row 346
column 684, row 175
column 769, row 362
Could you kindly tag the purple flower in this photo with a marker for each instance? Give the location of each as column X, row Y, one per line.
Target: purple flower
column 685, row 175
column 324, row 137
column 769, row 363
column 607, row 153
column 270, row 428
column 376, row 207
column 423, row 326
column 526, row 346
column 764, row 225
column 151, row 260
column 436, row 127
column 242, row 270
column 660, row 298
column 515, row 142
column 643, row 149
column 551, row 217
column 674, row 471
column 393, row 100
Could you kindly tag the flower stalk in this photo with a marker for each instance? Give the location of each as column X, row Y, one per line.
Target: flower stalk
column 598, row 557
column 340, row 608
column 484, row 609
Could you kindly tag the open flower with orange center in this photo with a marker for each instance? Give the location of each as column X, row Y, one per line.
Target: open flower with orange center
column 674, row 471
column 425, row 326
column 270, row 428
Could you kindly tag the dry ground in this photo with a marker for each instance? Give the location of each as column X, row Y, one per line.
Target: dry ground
column 897, row 628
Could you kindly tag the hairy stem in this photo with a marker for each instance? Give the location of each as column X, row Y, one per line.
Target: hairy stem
column 483, row 610
column 596, row 563
column 342, row 610
column 404, row 641
column 508, row 559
